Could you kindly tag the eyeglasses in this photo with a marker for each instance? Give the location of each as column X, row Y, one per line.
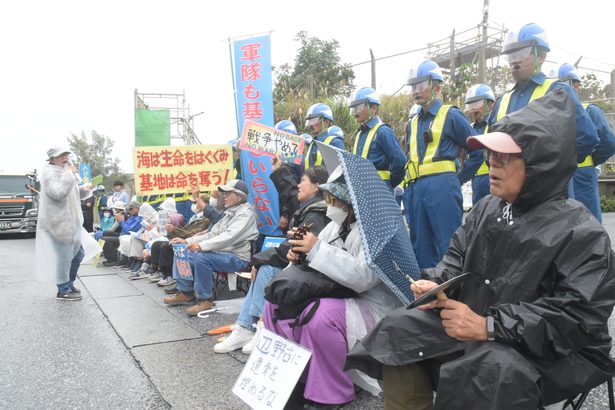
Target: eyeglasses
column 502, row 157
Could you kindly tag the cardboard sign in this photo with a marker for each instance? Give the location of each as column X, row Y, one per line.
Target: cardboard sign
column 171, row 169
column 97, row 180
column 85, row 174
column 271, row 373
column 270, row 141
column 180, row 253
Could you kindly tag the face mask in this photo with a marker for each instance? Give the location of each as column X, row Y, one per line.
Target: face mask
column 213, row 202
column 336, row 214
column 193, row 208
column 107, row 214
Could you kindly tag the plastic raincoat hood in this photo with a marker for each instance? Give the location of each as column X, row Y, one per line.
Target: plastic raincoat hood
column 546, row 275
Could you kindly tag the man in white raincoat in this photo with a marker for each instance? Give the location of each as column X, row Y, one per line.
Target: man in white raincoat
column 58, row 233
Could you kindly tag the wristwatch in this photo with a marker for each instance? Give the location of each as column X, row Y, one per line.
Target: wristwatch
column 490, row 329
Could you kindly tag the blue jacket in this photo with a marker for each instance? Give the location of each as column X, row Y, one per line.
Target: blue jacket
column 385, row 152
column 132, row 224
column 606, row 146
column 587, row 137
column 455, row 133
column 475, row 158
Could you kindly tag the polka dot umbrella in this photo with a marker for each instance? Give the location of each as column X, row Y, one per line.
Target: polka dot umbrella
column 384, row 235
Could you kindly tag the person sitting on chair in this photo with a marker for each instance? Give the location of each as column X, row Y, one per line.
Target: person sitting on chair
column 224, row 248
column 527, row 327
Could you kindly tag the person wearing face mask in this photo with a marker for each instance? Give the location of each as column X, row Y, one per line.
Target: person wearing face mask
column 338, row 253
column 526, row 49
column 376, row 141
column 267, row 263
column 435, row 137
column 106, row 222
column 479, row 102
column 318, row 119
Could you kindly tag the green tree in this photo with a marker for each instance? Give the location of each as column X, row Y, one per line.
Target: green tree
column 318, row 71
column 594, row 90
column 96, row 151
column 395, row 112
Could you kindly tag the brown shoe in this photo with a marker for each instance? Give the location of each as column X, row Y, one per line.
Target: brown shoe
column 199, row 307
column 180, row 298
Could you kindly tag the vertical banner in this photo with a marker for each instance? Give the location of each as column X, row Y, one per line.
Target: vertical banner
column 152, row 127
column 251, row 60
column 85, row 173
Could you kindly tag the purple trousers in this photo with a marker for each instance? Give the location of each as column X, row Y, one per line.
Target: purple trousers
column 325, row 335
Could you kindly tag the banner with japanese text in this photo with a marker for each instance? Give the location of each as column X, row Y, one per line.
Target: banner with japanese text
column 270, row 141
column 175, row 169
column 254, row 102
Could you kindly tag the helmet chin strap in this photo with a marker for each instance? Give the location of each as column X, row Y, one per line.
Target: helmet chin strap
column 536, row 65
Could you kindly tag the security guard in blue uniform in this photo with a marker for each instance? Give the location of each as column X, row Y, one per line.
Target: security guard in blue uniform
column 479, row 101
column 525, row 50
column 376, row 141
column 435, row 137
column 585, row 179
column 319, row 118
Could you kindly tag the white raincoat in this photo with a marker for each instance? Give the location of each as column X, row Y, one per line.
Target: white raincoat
column 58, row 232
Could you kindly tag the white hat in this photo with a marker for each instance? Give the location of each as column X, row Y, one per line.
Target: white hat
column 57, row 150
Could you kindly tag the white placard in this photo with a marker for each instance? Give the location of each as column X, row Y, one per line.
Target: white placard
column 271, row 373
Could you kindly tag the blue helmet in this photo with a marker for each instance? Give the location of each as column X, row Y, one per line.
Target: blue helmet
column 364, row 95
column 528, row 35
column 479, row 92
column 427, row 70
column 287, row 126
column 319, row 110
column 568, row 72
column 335, row 130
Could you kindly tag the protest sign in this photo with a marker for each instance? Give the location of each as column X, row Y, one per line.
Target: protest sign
column 180, row 253
column 272, row 242
column 169, row 169
column 270, row 141
column 85, row 173
column 97, row 180
column 271, row 373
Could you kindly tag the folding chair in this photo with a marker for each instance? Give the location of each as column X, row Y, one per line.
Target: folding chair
column 243, row 284
column 575, row 403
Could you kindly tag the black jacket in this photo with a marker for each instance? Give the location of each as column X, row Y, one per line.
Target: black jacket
column 542, row 267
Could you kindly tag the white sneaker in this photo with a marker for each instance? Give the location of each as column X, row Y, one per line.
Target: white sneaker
column 248, row 347
column 236, row 340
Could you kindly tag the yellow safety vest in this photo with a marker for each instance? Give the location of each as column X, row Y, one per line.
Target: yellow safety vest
column 484, row 169
column 539, row 91
column 384, row 174
column 588, row 161
column 318, row 161
column 414, row 169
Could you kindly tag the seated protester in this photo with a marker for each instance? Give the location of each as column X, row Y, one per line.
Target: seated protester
column 174, row 218
column 337, row 253
column 215, row 210
column 268, row 263
column 225, row 248
column 159, row 263
column 283, row 177
column 126, row 222
column 106, row 222
column 133, row 245
column 528, row 327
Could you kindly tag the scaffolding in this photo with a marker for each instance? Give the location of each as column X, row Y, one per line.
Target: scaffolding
column 181, row 122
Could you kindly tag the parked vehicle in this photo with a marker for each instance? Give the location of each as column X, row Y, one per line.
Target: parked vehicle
column 18, row 203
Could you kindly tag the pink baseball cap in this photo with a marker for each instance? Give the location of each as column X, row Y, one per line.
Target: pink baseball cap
column 495, row 141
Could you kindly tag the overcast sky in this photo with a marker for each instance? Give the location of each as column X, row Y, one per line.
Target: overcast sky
column 68, row 66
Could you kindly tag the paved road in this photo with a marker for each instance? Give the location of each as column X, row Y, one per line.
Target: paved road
column 120, row 347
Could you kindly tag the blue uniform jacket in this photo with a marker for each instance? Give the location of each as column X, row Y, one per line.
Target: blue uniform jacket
column 475, row 158
column 132, row 224
column 606, row 146
column 587, row 137
column 336, row 142
column 455, row 133
column 385, row 152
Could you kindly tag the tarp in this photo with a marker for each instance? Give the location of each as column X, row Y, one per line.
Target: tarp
column 152, row 128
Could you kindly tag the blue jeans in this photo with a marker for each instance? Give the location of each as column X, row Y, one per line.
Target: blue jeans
column 203, row 265
column 254, row 303
column 65, row 288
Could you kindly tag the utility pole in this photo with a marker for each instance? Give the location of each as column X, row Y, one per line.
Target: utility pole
column 373, row 60
column 452, row 57
column 613, row 84
column 482, row 63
